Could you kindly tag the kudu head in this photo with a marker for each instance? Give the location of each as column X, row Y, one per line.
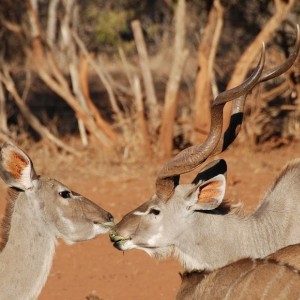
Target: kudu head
column 68, row 215
column 157, row 224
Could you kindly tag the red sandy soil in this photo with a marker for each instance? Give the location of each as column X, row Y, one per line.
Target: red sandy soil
column 95, row 267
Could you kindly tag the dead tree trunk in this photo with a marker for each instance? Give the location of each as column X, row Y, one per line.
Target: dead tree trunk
column 141, row 124
column 66, row 24
column 52, row 22
column 170, row 106
column 151, row 100
column 206, row 57
column 3, row 116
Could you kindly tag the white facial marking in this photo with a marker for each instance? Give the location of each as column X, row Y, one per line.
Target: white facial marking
column 158, row 236
column 99, row 229
column 141, row 213
column 69, row 224
column 129, row 245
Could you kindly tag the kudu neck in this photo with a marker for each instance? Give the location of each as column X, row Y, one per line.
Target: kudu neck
column 212, row 241
column 222, row 239
column 26, row 258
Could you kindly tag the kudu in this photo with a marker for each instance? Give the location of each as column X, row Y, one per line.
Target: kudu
column 275, row 277
column 39, row 211
column 192, row 222
column 247, row 278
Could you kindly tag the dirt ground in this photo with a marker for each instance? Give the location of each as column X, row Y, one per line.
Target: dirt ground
column 95, row 267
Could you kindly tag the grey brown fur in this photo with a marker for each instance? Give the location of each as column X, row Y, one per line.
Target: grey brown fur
column 39, row 212
column 248, row 278
column 212, row 239
column 189, row 222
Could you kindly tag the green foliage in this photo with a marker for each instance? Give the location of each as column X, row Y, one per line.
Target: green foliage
column 108, row 22
column 110, row 25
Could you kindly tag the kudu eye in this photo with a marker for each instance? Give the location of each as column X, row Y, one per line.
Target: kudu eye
column 65, row 194
column 154, row 211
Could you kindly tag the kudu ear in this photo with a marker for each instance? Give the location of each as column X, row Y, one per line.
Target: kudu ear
column 210, row 186
column 209, row 194
column 16, row 168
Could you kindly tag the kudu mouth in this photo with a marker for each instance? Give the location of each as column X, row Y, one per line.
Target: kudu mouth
column 107, row 224
column 117, row 240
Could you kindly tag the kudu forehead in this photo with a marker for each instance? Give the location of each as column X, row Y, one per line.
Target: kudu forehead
column 154, row 200
column 51, row 183
column 180, row 193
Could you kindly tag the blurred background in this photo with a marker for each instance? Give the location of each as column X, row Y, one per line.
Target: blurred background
column 136, row 78
column 95, row 90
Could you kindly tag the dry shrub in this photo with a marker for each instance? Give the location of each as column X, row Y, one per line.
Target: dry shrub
column 93, row 297
column 272, row 115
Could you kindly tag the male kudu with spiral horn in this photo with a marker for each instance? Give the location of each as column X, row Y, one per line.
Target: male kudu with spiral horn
column 192, row 222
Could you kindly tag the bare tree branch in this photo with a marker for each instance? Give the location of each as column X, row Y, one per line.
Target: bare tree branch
column 206, row 56
column 126, row 67
column 101, row 75
column 242, row 67
column 3, row 115
column 31, row 119
column 141, row 122
column 46, row 67
column 83, row 74
column 151, row 100
column 5, row 138
column 52, row 22
column 73, row 62
column 179, row 59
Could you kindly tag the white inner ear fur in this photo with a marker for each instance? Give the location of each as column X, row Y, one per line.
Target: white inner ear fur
column 25, row 179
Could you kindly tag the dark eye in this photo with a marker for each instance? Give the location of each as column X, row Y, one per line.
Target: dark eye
column 65, row 194
column 154, row 211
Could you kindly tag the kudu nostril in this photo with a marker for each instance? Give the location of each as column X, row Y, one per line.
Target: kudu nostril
column 110, row 217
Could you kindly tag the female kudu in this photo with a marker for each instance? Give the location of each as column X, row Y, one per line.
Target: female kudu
column 39, row 211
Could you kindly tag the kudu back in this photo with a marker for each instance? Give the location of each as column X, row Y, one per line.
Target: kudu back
column 192, row 222
column 245, row 279
column 275, row 277
column 39, row 211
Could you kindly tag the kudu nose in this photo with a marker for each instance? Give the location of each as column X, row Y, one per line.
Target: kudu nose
column 110, row 217
column 109, row 220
